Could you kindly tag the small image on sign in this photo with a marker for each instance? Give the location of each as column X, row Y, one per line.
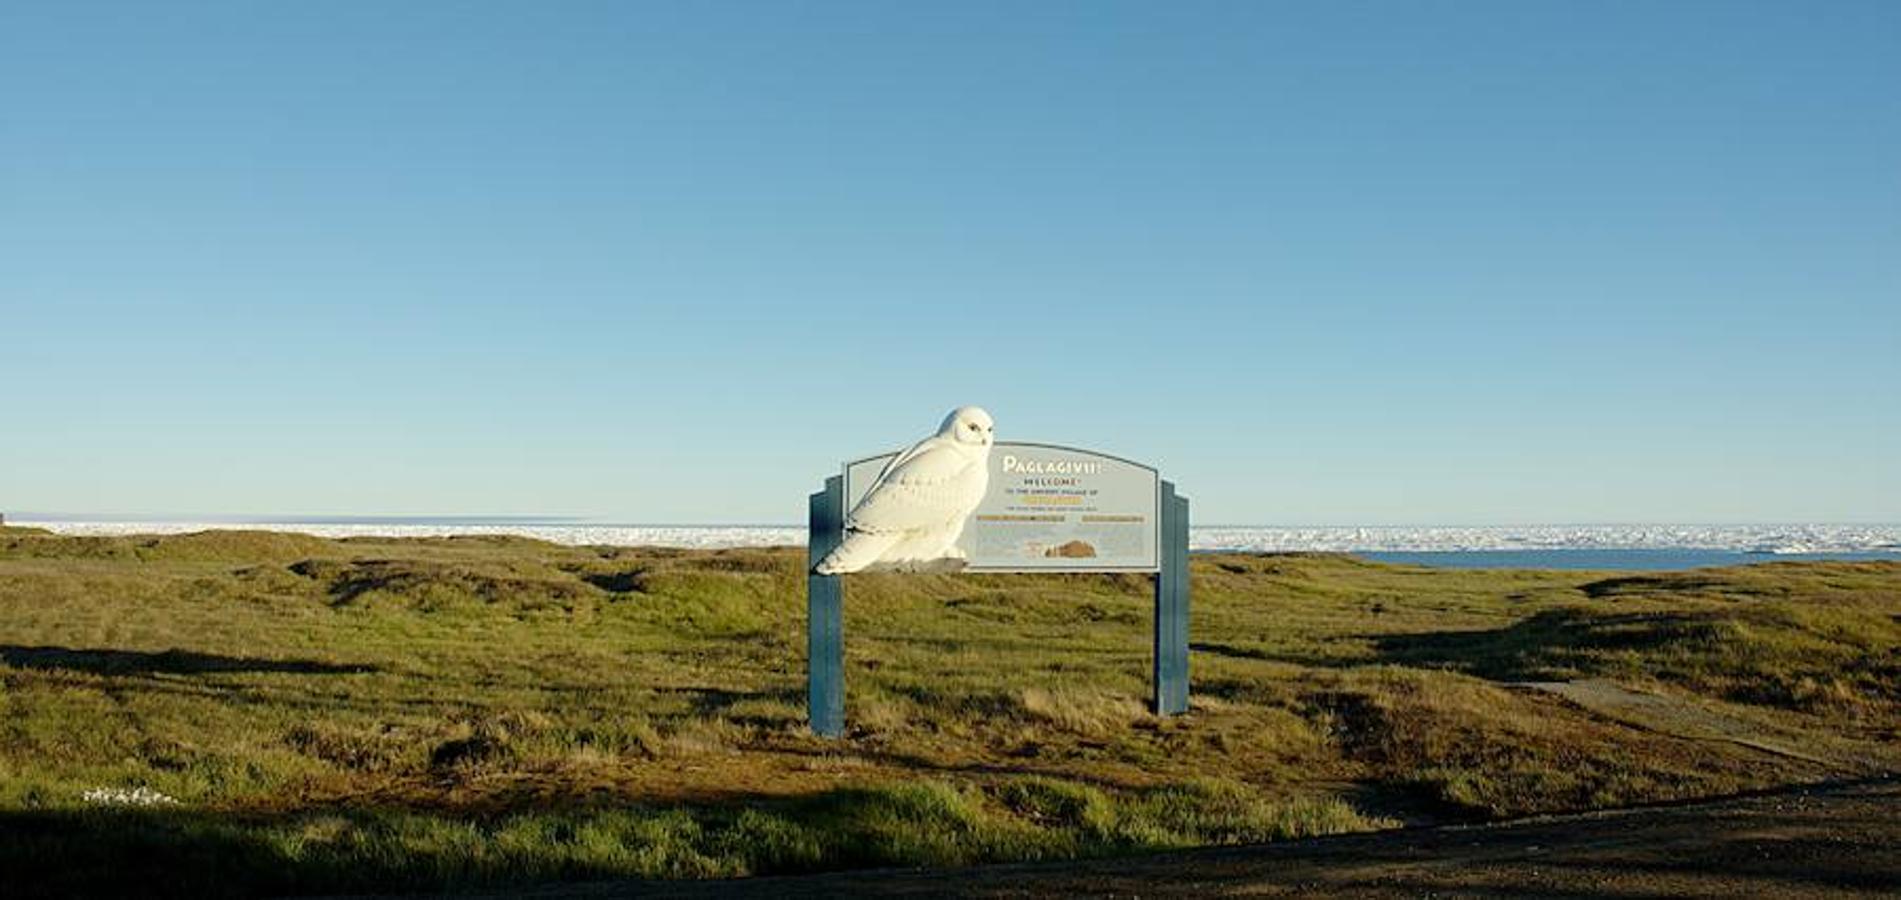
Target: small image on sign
column 1072, row 550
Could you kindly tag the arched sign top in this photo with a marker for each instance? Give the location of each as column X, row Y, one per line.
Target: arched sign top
column 1032, row 445
column 1051, row 508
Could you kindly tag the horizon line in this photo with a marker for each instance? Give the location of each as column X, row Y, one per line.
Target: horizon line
column 602, row 522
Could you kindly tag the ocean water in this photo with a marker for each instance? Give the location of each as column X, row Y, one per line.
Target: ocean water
column 1518, row 546
column 1648, row 559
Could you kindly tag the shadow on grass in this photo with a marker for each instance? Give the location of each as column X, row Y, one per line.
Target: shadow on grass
column 712, row 701
column 1639, row 585
column 1742, row 847
column 1829, row 843
column 1310, row 660
column 920, row 765
column 1553, row 644
column 167, row 662
column 178, row 853
column 175, row 852
column 100, row 853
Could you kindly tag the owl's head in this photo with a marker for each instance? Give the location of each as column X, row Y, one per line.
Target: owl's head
column 969, row 425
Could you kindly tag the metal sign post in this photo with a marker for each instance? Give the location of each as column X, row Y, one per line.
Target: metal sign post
column 1170, row 678
column 825, row 615
column 1047, row 509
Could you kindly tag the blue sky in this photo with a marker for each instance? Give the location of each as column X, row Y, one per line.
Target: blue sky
column 1326, row 263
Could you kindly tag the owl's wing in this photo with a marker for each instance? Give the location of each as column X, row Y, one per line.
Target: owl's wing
column 901, row 458
column 922, row 487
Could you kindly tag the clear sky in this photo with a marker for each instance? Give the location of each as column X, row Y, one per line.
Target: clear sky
column 1324, row 263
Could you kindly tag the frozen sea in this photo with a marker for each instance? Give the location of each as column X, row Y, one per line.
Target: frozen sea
column 1516, row 546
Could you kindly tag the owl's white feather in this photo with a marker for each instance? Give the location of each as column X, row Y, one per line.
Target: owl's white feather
column 915, row 509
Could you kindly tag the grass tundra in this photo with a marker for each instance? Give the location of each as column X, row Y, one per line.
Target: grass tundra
column 236, row 713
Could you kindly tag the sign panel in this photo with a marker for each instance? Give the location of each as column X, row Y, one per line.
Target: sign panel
column 1051, row 509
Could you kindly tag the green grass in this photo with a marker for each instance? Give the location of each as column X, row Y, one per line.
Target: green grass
column 373, row 714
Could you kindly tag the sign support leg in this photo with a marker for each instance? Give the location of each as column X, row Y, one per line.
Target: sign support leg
column 1170, row 678
column 825, row 615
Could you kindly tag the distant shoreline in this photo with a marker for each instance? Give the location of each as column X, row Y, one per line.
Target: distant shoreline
column 1637, row 559
column 1524, row 546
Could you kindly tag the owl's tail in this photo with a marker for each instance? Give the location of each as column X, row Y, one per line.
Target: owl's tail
column 858, row 550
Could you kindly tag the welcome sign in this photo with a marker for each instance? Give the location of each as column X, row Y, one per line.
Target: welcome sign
column 1025, row 508
column 1049, row 508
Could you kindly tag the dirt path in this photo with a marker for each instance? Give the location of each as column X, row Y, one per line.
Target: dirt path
column 1668, row 715
column 1686, row 718
column 1836, row 841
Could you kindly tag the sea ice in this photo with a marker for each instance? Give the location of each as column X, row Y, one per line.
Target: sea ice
column 1768, row 539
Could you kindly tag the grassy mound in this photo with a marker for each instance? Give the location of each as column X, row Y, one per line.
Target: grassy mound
column 215, row 545
column 1810, row 642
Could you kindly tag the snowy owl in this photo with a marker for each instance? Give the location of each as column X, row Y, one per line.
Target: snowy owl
column 916, row 507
